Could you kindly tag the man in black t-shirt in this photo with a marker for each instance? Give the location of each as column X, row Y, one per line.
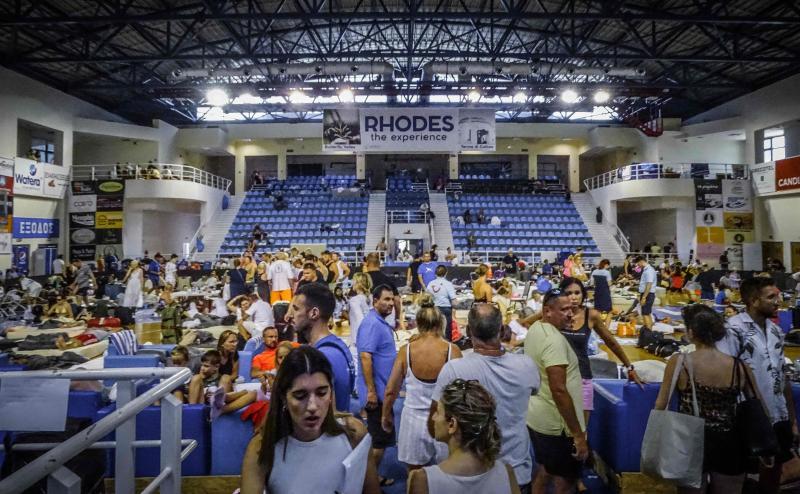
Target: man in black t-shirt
column 510, row 262
column 373, row 269
column 310, row 275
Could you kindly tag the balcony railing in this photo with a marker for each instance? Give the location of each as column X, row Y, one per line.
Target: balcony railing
column 149, row 171
column 407, row 217
column 645, row 171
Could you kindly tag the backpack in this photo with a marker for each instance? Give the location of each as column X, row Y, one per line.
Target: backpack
column 351, row 368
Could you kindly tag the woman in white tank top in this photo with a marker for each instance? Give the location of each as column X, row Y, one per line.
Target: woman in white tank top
column 464, row 419
column 418, row 364
column 301, row 430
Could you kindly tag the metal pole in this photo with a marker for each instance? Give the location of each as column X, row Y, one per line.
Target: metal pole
column 124, row 454
column 171, row 427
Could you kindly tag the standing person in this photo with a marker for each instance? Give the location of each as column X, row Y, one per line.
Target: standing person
column 510, row 263
column 511, row 378
column 481, row 289
column 465, row 419
column 250, row 268
column 723, row 260
column 444, row 293
column 358, row 305
column 84, row 279
column 705, row 280
column 412, row 275
column 647, row 290
column 134, row 285
column 555, row 415
column 382, row 247
column 171, row 271
column 310, row 275
column 237, row 279
column 377, row 354
column 262, row 278
column 758, row 342
column 58, row 266
column 341, row 267
column 372, row 266
column 427, row 270
column 434, row 253
column 332, row 276
column 584, row 321
column 418, row 365
column 718, row 382
column 280, row 275
column 601, row 279
column 309, row 312
column 301, row 429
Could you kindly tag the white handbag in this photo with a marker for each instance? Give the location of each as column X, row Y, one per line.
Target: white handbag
column 673, row 443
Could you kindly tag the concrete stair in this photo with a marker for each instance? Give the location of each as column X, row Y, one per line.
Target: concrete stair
column 215, row 230
column 442, row 232
column 376, row 220
column 602, row 233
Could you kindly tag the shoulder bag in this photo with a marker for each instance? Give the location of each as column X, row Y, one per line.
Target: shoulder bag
column 753, row 425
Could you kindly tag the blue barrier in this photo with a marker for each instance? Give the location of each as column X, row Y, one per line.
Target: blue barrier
column 230, row 436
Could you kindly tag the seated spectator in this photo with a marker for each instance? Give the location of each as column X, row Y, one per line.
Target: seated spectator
column 61, row 307
column 205, row 383
column 264, row 362
column 496, row 221
column 153, row 173
column 279, row 204
column 229, row 356
column 467, row 217
column 179, row 357
column 301, row 429
column 465, row 420
column 258, row 233
column 472, row 241
column 405, row 256
column 481, row 216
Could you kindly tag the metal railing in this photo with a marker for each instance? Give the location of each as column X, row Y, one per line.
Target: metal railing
column 123, row 420
column 530, row 257
column 149, row 171
column 620, row 237
column 397, row 216
column 645, row 171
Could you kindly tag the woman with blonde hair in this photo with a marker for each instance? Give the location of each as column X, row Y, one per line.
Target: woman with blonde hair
column 418, row 365
column 134, row 285
column 481, row 289
column 359, row 303
column 465, row 420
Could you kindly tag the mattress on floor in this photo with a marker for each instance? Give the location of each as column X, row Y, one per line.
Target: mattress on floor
column 21, row 332
column 88, row 351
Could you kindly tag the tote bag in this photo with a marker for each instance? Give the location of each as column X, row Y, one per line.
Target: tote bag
column 672, row 448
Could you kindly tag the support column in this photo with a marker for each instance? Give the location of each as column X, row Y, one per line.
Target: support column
column 282, row 167
column 685, row 231
column 239, row 177
column 452, row 166
column 533, row 168
column 574, row 179
column 361, row 166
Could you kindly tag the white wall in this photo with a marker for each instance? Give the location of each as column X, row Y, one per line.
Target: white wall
column 777, row 220
column 648, row 226
column 397, row 231
column 96, row 151
column 166, row 232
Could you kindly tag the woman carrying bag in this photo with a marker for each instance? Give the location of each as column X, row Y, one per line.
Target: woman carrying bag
column 716, row 381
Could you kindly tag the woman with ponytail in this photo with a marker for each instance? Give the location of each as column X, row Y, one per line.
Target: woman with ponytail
column 418, row 364
column 465, row 420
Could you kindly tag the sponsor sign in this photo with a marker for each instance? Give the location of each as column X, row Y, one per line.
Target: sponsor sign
column 20, row 259
column 737, row 196
column 28, row 177
column 739, row 221
column 710, row 235
column 83, row 187
column 763, row 176
column 7, row 168
column 56, row 181
column 420, row 129
column 708, row 194
column 82, row 236
column 35, row 228
column 108, row 236
column 108, row 219
column 82, row 252
column 81, row 220
column 709, row 218
column 82, row 204
column 109, row 250
column 787, row 174
column 743, row 237
column 109, row 203
column 111, row 187
column 5, row 243
column 476, row 130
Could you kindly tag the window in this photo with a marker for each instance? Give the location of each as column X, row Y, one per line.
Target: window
column 46, row 150
column 774, row 144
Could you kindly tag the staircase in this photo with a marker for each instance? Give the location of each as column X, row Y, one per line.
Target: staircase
column 441, row 223
column 601, row 232
column 216, row 229
column 376, row 220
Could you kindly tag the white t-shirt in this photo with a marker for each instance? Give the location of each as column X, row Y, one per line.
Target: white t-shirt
column 260, row 312
column 58, row 266
column 325, row 453
column 279, row 273
column 169, row 271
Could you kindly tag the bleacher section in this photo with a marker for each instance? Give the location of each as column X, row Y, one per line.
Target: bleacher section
column 400, row 195
column 529, row 223
column 312, row 202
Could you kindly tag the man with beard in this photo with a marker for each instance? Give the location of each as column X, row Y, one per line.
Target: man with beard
column 309, row 313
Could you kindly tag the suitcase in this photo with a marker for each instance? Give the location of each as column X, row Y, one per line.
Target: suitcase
column 104, row 322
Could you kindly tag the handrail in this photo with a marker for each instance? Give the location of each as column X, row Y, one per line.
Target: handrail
column 149, row 171
column 645, row 171
column 620, row 237
column 128, row 406
column 530, row 257
column 406, row 216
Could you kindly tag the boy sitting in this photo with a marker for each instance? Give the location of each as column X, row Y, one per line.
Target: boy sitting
column 208, row 379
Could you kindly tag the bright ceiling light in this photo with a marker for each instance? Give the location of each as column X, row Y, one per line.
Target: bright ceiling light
column 520, row 97
column 473, row 96
column 601, row 97
column 296, row 96
column 569, row 96
column 217, row 97
column 346, row 95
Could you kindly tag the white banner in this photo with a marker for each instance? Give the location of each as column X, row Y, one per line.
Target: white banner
column 737, row 196
column 56, row 181
column 6, row 167
column 444, row 130
column 82, row 204
column 5, row 244
column 28, row 177
column 763, row 177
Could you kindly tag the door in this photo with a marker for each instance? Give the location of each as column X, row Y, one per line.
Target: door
column 771, row 250
column 795, row 257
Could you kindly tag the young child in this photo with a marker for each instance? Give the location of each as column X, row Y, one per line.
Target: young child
column 179, row 357
column 206, row 382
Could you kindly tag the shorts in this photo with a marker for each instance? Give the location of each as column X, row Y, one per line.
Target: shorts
column 380, row 438
column 647, row 308
column 280, row 295
column 415, row 446
column 588, row 394
column 554, row 453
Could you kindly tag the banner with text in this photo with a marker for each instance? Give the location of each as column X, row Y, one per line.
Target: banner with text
column 709, row 213
column 408, row 129
column 6, row 194
column 787, row 174
column 96, row 218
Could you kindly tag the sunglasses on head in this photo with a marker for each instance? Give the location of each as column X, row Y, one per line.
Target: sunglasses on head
column 550, row 295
